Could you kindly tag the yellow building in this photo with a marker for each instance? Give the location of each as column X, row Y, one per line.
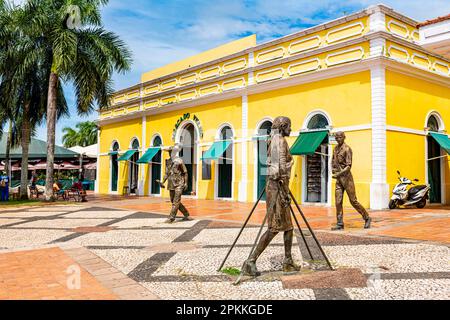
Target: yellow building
column 367, row 74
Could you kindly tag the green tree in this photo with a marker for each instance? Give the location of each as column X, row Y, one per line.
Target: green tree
column 84, row 135
column 82, row 53
column 24, row 75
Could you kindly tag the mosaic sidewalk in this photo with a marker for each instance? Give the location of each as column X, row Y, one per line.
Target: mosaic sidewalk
column 130, row 254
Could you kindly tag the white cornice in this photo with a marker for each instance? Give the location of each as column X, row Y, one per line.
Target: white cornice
column 333, row 72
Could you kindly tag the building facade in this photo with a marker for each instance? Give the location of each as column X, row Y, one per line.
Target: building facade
column 365, row 74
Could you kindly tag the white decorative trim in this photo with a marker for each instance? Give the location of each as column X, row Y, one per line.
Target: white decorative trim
column 170, row 87
column 311, row 115
column 292, row 52
column 399, row 24
column 360, row 127
column 117, row 111
column 145, row 107
column 267, row 72
column 361, row 49
column 133, row 111
column 379, row 189
column 418, row 36
column 242, row 194
column 441, row 64
column 406, row 130
column 439, row 118
column 211, row 75
column 231, row 81
column 302, row 63
column 224, row 67
column 347, row 35
column 259, row 60
column 327, row 73
column 209, row 87
column 401, row 50
column 141, row 178
column 377, row 47
column 97, row 172
column 377, row 21
column 166, row 103
column 189, row 98
column 181, row 83
column 415, row 54
column 158, row 89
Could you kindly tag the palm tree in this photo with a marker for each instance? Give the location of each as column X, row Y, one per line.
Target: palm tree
column 24, row 82
column 86, row 135
column 70, row 138
column 82, row 52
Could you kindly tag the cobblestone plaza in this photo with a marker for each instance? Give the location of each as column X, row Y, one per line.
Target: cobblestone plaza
column 120, row 253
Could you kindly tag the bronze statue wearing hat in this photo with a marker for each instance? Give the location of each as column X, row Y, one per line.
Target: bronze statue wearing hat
column 278, row 201
column 341, row 166
column 176, row 174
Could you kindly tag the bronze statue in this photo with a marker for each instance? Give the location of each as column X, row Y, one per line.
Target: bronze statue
column 341, row 166
column 278, row 201
column 177, row 175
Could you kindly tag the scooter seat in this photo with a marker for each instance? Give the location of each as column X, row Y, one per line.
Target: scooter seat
column 416, row 189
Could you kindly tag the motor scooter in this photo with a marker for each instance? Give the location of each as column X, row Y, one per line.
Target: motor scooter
column 404, row 196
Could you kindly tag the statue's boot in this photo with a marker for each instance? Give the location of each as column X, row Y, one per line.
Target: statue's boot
column 249, row 267
column 340, row 223
column 288, row 263
column 368, row 222
column 290, row 266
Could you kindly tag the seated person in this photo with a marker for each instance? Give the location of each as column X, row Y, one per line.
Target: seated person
column 58, row 191
column 78, row 186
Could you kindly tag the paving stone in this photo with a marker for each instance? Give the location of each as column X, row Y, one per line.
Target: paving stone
column 340, row 278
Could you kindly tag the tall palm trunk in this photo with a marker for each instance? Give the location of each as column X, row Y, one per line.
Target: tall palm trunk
column 25, row 142
column 8, row 152
column 51, row 126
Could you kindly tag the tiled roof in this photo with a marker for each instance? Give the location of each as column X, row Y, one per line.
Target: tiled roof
column 436, row 20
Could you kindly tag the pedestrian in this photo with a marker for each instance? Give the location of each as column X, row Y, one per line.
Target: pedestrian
column 4, row 187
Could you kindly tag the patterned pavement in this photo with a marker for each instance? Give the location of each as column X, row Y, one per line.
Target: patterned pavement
column 131, row 254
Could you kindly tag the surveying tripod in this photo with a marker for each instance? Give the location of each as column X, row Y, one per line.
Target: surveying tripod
column 262, row 227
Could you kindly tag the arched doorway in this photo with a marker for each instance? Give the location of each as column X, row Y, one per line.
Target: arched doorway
column 156, row 167
column 188, row 137
column 225, row 166
column 435, row 162
column 262, row 145
column 134, row 168
column 114, row 166
column 316, row 176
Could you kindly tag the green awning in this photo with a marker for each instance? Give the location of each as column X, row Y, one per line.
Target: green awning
column 216, row 150
column 113, row 153
column 443, row 140
column 149, row 155
column 308, row 142
column 127, row 155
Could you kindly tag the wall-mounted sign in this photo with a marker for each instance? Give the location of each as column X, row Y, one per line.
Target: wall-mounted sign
column 183, row 118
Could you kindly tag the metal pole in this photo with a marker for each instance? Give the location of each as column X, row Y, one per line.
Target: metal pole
column 242, row 229
column 311, row 230
column 301, row 232
column 238, row 280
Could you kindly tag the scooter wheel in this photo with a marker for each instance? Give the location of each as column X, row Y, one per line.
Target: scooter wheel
column 392, row 204
column 421, row 204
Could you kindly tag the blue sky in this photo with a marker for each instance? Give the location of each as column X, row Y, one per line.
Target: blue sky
column 160, row 32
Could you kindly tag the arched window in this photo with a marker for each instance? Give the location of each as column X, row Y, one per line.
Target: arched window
column 225, row 166
column 134, row 168
column 433, row 124
column 318, row 121
column 114, row 166
column 264, row 130
column 156, row 167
